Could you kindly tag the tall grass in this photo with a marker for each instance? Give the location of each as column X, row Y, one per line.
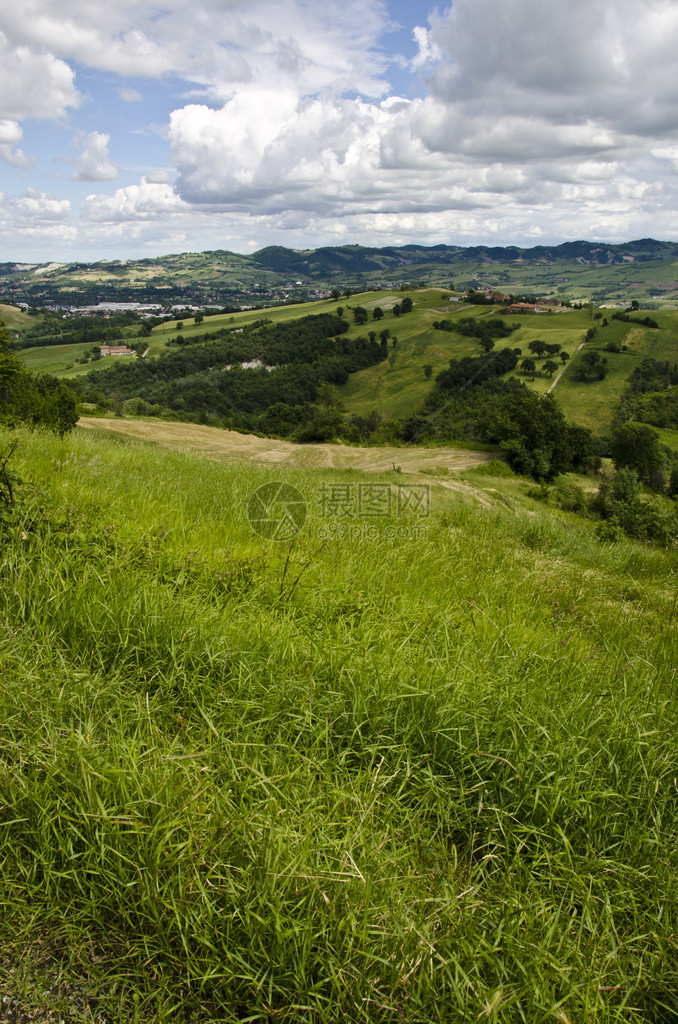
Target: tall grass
column 429, row 781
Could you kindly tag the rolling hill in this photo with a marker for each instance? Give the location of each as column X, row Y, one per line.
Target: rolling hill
column 645, row 269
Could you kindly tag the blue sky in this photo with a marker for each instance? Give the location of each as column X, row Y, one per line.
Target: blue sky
column 136, row 129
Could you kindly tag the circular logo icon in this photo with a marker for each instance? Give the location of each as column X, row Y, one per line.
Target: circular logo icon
column 277, row 511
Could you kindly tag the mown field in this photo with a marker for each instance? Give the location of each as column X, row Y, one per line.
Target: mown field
column 404, row 767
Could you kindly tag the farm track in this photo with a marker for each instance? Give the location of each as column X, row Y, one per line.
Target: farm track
column 230, row 446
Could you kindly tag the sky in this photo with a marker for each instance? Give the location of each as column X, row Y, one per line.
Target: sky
column 132, row 128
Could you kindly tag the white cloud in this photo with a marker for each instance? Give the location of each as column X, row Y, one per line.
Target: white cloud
column 426, row 49
column 130, row 95
column 10, row 134
column 94, row 163
column 158, row 176
column 33, row 208
column 34, row 84
column 134, row 202
column 534, row 117
column 214, row 42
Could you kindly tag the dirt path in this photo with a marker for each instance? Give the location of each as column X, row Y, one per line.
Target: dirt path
column 561, row 372
column 229, row 446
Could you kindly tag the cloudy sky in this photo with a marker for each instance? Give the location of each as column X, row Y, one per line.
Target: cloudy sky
column 131, row 128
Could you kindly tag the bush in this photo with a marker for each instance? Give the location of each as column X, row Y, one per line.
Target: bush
column 609, row 531
column 494, row 468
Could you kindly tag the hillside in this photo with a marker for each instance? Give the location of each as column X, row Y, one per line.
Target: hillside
column 646, row 270
column 398, row 385
column 413, row 766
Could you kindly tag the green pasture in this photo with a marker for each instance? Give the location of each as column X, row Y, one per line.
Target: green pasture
column 593, row 403
column 398, row 386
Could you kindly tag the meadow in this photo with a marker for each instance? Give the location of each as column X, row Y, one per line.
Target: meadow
column 401, row 768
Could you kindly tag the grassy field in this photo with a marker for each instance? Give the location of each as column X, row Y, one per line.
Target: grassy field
column 59, row 360
column 404, row 768
column 16, row 319
column 594, row 403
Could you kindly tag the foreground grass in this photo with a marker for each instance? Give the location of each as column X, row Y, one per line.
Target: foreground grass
column 422, row 778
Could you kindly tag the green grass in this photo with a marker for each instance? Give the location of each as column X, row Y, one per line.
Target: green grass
column 365, row 777
column 594, row 403
column 59, row 360
column 16, row 319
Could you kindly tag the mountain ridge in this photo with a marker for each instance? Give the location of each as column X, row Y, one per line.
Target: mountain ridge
column 276, row 273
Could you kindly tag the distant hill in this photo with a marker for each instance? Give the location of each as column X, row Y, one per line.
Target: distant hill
column 645, row 269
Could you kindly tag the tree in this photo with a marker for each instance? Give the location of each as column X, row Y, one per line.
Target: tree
column 360, row 315
column 39, row 401
column 534, row 433
column 377, row 313
column 591, row 363
column 385, row 334
column 198, row 318
column 537, row 347
column 637, row 447
column 335, row 294
column 528, row 365
column 328, row 397
column 564, row 356
column 428, row 371
column 180, row 325
column 406, row 305
column 486, row 343
column 549, row 367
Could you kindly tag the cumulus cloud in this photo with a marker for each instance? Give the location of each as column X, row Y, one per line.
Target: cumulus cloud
column 531, row 120
column 94, row 163
column 10, row 134
column 34, row 84
column 524, row 106
column 34, row 207
column 146, row 201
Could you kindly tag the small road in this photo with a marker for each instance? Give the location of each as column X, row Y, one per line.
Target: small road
column 561, row 372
